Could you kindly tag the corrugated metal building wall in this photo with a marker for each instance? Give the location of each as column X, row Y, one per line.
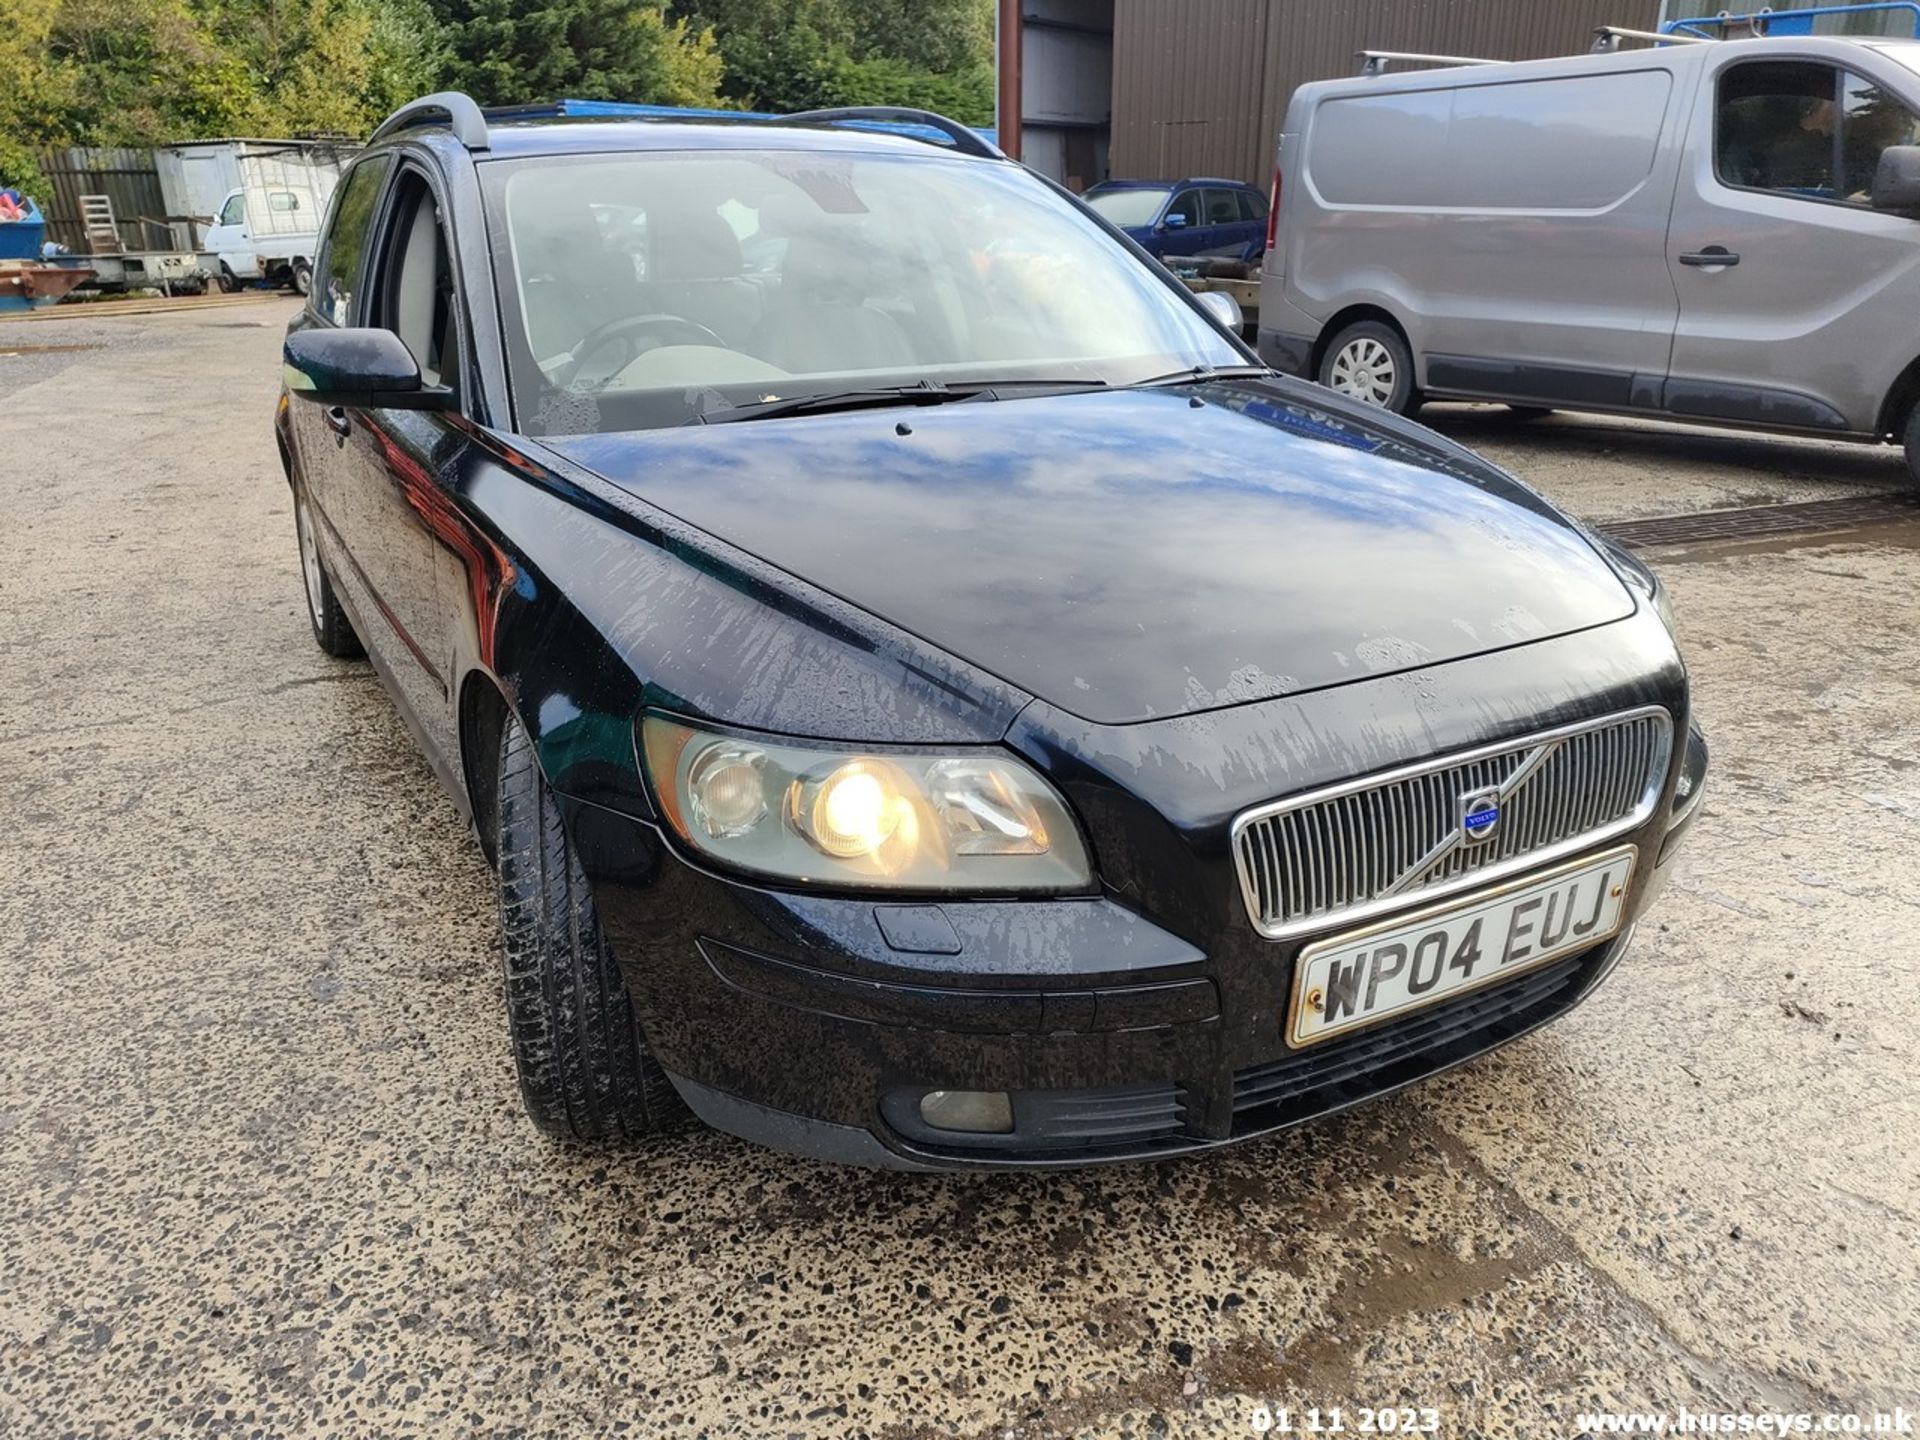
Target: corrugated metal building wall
column 126, row 177
column 1200, row 86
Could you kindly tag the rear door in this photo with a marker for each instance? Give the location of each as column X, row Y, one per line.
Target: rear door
column 321, row 433
column 1223, row 228
column 1796, row 297
column 1253, row 212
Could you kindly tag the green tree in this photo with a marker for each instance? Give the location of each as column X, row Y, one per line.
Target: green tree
column 788, row 55
column 504, row 52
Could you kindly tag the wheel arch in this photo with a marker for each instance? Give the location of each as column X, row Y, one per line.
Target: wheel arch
column 483, row 715
column 1902, row 396
column 1352, row 315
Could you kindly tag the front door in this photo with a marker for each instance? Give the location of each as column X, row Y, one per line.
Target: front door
column 399, row 515
column 1796, row 296
column 227, row 237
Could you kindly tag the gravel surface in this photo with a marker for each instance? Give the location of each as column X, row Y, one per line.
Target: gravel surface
column 263, row 1170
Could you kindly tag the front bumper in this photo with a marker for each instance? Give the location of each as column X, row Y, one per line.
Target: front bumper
column 1142, row 1022
column 795, row 1022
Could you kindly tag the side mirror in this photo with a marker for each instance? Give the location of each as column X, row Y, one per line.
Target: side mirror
column 1222, row 307
column 1174, row 221
column 1896, row 180
column 358, row 370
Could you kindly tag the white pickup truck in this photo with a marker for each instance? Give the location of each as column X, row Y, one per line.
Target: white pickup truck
column 272, row 197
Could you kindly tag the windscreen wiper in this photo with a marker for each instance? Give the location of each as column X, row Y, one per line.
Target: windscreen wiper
column 1198, row 374
column 921, row 392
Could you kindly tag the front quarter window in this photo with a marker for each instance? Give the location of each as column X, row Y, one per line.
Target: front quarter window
column 651, row 288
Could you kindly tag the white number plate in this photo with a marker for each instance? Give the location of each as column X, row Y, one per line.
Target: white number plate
column 1401, row 965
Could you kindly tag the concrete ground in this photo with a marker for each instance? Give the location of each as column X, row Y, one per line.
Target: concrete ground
column 263, row 1169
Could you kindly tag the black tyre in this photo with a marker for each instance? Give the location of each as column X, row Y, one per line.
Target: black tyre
column 302, row 278
column 229, row 282
column 1912, row 439
column 332, row 631
column 585, row 1071
column 1370, row 362
column 1529, row 412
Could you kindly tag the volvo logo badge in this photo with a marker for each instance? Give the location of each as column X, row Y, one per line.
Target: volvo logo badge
column 1479, row 815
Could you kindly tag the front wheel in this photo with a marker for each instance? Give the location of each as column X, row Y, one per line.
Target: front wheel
column 585, row 1070
column 1370, row 362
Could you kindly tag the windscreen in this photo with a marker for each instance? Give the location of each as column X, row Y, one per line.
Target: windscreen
column 652, row 288
column 1128, row 208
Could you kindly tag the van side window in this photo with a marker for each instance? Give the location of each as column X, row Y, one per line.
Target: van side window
column 1799, row 128
column 1870, row 121
column 337, row 278
column 234, row 212
column 1775, row 128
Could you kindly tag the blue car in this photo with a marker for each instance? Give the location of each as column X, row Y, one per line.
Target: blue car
column 1225, row 218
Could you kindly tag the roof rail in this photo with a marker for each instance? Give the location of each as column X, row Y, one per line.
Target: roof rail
column 968, row 142
column 449, row 107
column 1607, row 38
column 1375, row 62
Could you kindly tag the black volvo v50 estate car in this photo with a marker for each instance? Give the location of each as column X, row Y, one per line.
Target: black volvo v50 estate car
column 931, row 697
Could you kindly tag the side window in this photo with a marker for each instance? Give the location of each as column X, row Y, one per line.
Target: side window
column 1222, row 209
column 338, row 274
column 416, row 284
column 1252, row 206
column 1870, row 121
column 1775, row 128
column 234, row 212
column 1186, row 203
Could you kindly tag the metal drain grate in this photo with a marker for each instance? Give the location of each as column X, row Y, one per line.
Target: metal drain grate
column 1759, row 521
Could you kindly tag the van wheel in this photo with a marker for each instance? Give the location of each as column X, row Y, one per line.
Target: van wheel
column 1370, row 362
column 1913, row 447
column 302, row 278
column 585, row 1071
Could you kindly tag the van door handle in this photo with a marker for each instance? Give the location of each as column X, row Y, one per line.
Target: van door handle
column 338, row 422
column 1712, row 255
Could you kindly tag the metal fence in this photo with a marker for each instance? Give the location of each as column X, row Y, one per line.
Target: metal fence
column 128, row 178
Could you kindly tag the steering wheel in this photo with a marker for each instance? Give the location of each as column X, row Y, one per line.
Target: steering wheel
column 661, row 330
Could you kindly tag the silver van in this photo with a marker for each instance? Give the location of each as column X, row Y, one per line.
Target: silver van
column 1722, row 231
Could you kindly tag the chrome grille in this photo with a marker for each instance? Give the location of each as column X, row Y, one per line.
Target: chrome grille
column 1360, row 849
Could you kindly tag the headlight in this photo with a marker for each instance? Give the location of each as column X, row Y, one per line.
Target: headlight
column 1638, row 577
column 829, row 816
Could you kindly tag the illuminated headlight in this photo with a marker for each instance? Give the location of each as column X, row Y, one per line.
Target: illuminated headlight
column 830, row 816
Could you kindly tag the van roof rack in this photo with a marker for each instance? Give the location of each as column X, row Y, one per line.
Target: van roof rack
column 1375, row 62
column 1607, row 38
column 966, row 141
column 451, row 108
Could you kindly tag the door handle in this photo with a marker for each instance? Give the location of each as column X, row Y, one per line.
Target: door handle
column 1712, row 255
column 338, row 422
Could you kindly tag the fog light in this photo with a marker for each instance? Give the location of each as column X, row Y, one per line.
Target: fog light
column 977, row 1112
